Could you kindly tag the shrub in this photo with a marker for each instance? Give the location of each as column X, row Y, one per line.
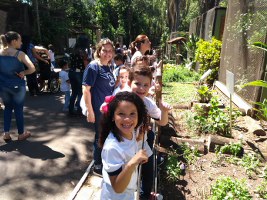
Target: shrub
column 174, row 73
column 204, row 93
column 231, row 189
column 216, row 121
column 208, row 56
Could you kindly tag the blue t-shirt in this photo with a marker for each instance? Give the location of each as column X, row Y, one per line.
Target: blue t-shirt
column 9, row 66
column 30, row 54
column 102, row 83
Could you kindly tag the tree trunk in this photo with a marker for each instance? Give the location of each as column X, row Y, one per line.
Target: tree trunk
column 36, row 9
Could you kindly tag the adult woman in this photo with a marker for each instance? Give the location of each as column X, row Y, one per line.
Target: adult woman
column 139, row 47
column 12, row 84
column 98, row 82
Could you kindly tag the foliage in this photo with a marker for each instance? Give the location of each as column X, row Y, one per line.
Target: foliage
column 230, row 189
column 188, row 10
column 174, row 167
column 204, row 93
column 235, row 149
column 216, row 122
column 190, row 154
column 174, row 73
column 251, row 163
column 176, row 93
column 191, row 46
column 262, row 189
column 223, row 3
column 260, row 45
column 131, row 18
column 262, row 106
column 208, row 56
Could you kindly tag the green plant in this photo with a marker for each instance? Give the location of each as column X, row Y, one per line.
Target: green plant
column 208, row 56
column 204, row 93
column 265, row 172
column 217, row 121
column 191, row 46
column 190, row 154
column 232, row 148
column 174, row 73
column 262, row 189
column 262, row 106
column 251, row 163
column 173, row 168
column 230, row 189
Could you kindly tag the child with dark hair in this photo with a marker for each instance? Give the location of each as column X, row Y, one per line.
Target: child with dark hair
column 120, row 154
column 65, row 83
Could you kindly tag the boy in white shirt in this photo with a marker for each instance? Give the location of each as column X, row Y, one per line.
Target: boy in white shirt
column 65, row 84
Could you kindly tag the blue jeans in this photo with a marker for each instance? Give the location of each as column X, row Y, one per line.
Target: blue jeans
column 13, row 99
column 67, row 100
column 76, row 87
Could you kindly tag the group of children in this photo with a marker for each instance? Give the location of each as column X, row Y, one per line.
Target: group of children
column 122, row 141
column 124, row 137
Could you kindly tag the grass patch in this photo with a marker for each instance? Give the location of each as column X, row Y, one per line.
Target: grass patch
column 177, row 93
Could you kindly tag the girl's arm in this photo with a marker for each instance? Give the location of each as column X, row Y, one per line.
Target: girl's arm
column 120, row 182
column 88, row 103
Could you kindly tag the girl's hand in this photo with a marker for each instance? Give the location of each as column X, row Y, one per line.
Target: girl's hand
column 140, row 157
column 164, row 106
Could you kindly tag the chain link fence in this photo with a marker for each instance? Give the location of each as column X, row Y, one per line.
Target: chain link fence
column 246, row 23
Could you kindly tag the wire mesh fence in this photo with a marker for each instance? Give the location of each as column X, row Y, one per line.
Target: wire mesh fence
column 245, row 24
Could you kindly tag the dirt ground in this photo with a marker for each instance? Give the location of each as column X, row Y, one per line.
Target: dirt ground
column 196, row 183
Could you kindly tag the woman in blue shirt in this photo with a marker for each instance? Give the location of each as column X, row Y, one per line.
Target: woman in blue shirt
column 98, row 82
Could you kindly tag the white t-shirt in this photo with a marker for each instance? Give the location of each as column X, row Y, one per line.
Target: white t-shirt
column 136, row 54
column 152, row 108
column 116, row 155
column 64, row 76
column 118, row 89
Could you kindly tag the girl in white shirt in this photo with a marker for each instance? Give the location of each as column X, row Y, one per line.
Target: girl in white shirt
column 121, row 154
column 123, row 79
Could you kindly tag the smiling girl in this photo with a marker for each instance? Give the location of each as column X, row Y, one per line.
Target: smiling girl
column 121, row 155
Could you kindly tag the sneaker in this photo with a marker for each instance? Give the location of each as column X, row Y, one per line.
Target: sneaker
column 98, row 170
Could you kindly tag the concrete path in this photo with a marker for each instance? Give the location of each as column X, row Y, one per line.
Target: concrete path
column 49, row 164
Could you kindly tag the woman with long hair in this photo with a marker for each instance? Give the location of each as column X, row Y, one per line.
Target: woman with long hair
column 98, row 82
column 139, row 47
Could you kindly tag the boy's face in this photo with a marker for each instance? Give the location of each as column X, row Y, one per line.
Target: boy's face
column 140, row 85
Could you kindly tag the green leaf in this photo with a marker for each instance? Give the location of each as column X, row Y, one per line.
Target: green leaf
column 259, row 83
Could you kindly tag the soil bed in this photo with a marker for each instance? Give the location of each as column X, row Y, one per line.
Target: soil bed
column 197, row 181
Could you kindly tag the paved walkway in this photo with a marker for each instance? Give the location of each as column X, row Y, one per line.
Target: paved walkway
column 49, row 164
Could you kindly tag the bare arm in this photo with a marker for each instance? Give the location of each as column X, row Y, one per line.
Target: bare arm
column 26, row 60
column 88, row 103
column 165, row 108
column 120, row 182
